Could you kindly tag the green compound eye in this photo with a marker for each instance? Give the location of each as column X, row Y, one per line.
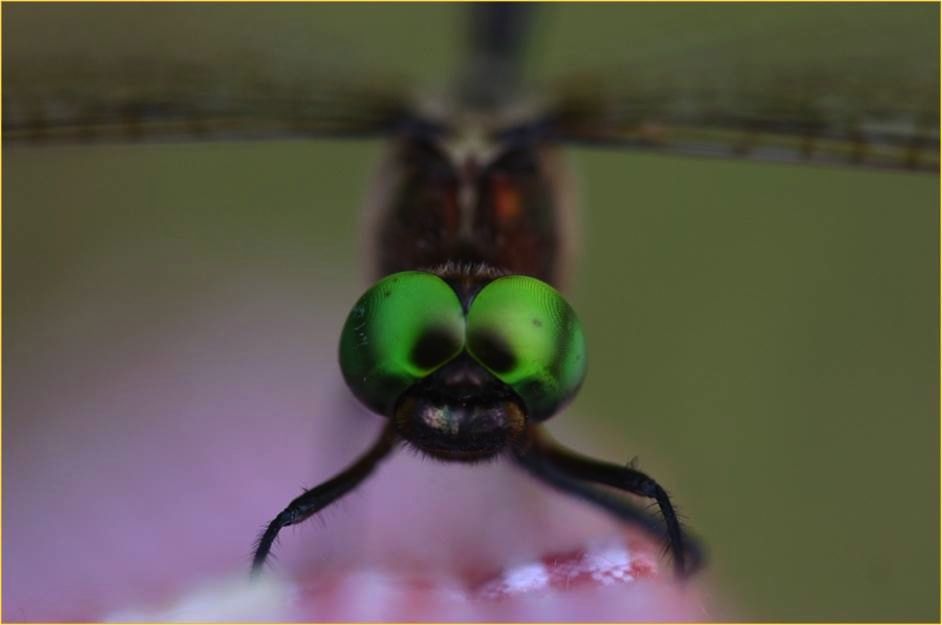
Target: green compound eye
column 403, row 328
column 527, row 335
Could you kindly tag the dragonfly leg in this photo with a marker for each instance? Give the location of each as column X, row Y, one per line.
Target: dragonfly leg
column 321, row 496
column 576, row 475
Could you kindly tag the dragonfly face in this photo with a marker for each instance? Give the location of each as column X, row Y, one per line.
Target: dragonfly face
column 460, row 358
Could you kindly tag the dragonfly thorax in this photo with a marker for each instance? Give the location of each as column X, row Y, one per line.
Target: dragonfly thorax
column 462, row 194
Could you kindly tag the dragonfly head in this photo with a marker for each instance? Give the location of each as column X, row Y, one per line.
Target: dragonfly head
column 461, row 365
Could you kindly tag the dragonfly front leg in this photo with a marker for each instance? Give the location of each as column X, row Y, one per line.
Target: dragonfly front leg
column 321, row 496
column 575, row 474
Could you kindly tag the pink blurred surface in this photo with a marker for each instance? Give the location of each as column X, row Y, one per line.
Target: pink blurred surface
column 142, row 457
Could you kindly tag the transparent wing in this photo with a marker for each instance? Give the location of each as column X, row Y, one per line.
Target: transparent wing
column 240, row 98
column 806, row 117
column 825, row 87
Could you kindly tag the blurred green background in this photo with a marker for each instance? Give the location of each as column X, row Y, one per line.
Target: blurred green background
column 767, row 334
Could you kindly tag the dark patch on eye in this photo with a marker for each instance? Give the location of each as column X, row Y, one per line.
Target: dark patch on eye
column 539, row 399
column 435, row 346
column 536, row 322
column 387, row 292
column 493, row 351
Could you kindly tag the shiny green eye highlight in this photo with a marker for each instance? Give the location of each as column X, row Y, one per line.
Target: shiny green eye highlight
column 403, row 328
column 525, row 333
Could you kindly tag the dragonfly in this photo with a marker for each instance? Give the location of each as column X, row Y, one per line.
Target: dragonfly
column 464, row 343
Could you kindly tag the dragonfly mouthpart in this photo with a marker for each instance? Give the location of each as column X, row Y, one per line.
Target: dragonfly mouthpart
column 460, row 412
